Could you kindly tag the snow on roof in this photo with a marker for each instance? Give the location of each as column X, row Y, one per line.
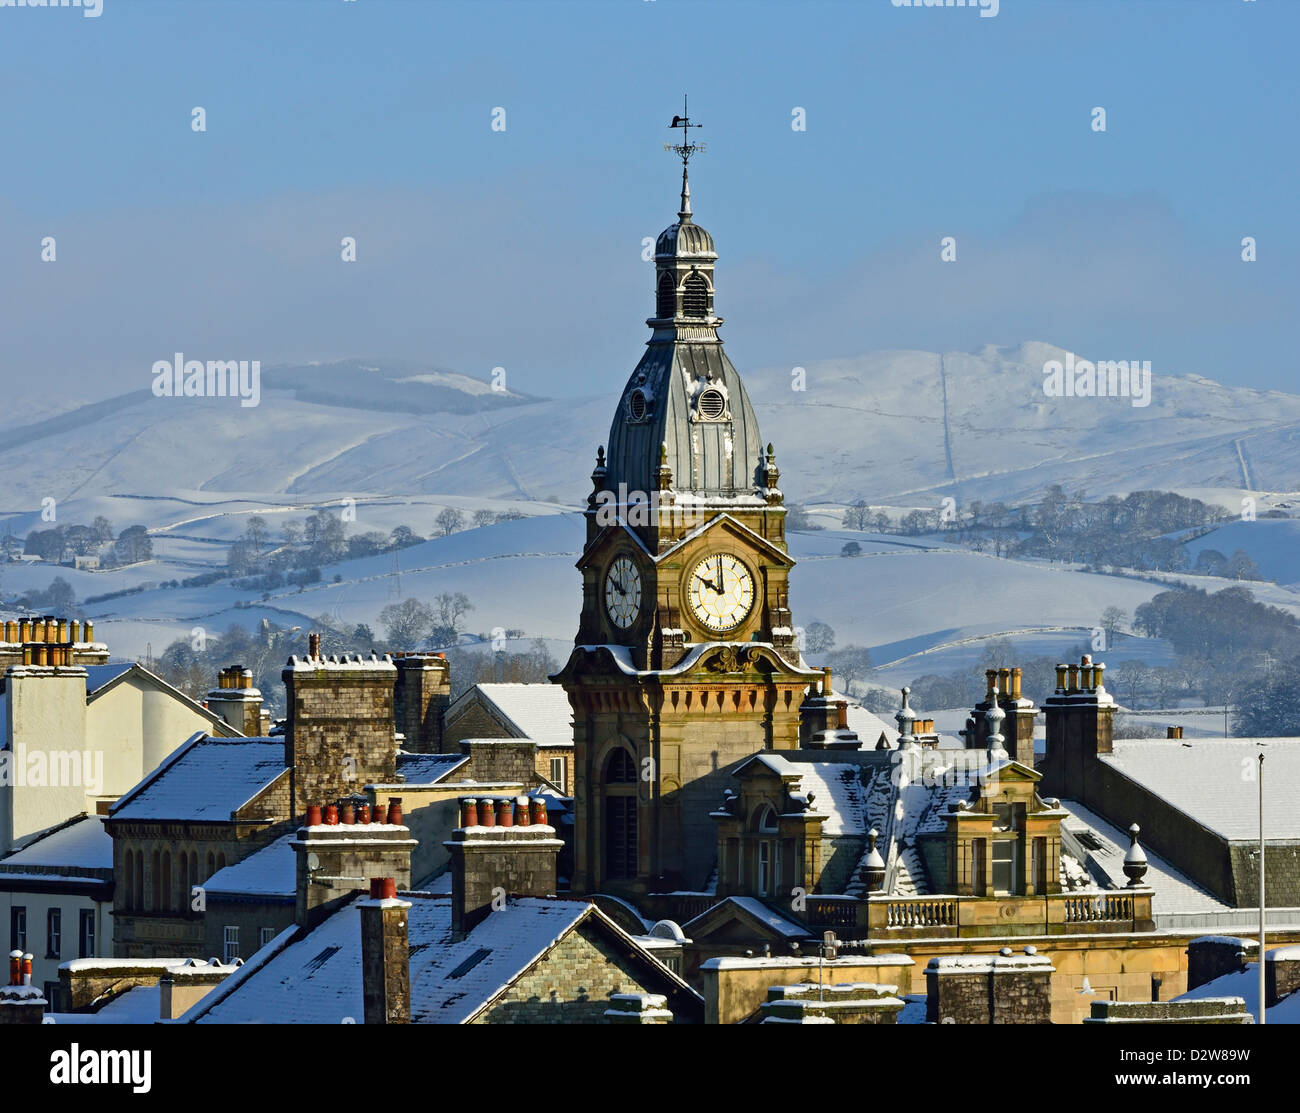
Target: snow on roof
column 1174, row 891
column 207, row 779
column 1245, row 984
column 838, row 788
column 1213, row 781
column 82, row 844
column 98, row 676
column 814, row 961
column 316, row 978
column 540, row 712
column 142, row 1004
column 867, row 725
column 336, row 663
column 271, row 871
column 781, row 924
column 79, row 964
column 427, row 769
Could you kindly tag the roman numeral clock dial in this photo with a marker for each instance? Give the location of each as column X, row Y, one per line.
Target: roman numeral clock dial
column 721, row 592
column 623, row 592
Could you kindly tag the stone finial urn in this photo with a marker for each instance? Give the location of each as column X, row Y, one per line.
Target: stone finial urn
column 1135, row 861
column 875, row 870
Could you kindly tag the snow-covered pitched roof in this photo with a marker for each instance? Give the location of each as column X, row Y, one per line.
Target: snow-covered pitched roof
column 269, row 872
column 1245, row 984
column 1214, row 781
column 1174, row 891
column 206, row 779
column 141, row 1004
column 540, row 712
column 80, row 845
column 867, row 725
column 839, row 790
column 316, row 978
column 98, row 676
column 782, row 925
column 427, row 769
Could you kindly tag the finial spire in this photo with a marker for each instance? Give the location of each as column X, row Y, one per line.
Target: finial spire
column 994, row 716
column 684, row 150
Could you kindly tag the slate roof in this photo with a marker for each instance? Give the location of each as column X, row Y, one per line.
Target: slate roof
column 205, row 780
column 1174, row 891
column 839, row 791
column 97, row 676
column 723, row 454
column 79, row 845
column 1207, row 780
column 269, row 872
column 757, row 910
column 428, row 769
column 539, row 712
column 316, row 978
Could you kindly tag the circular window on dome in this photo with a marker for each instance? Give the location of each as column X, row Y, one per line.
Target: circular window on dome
column 711, row 404
column 636, row 406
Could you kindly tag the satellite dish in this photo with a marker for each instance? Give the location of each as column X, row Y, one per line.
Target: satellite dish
column 313, row 863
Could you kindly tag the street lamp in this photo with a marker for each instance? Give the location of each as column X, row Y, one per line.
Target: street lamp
column 1261, row 889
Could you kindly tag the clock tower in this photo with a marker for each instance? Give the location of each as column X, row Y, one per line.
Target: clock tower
column 686, row 660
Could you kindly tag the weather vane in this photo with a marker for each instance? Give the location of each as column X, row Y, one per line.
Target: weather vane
column 685, row 148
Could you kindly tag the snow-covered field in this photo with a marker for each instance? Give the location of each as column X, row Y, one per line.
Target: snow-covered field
column 881, row 427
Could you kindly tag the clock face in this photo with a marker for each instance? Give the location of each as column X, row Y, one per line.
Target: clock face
column 721, row 592
column 623, row 592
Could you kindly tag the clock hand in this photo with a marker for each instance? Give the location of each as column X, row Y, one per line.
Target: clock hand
column 619, row 587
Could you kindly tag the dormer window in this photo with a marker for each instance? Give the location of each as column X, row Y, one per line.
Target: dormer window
column 666, row 297
column 695, row 297
column 636, row 405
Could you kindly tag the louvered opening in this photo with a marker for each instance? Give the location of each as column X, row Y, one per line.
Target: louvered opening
column 695, row 297
column 666, row 301
column 636, row 406
column 711, row 404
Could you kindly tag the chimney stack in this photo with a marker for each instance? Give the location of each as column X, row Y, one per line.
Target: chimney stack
column 335, row 859
column 385, row 954
column 339, row 735
column 420, row 700
column 819, row 713
column 20, row 1001
column 1080, row 725
column 236, row 701
column 489, row 860
column 1018, row 724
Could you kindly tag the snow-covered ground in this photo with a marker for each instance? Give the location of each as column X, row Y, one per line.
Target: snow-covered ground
column 878, row 426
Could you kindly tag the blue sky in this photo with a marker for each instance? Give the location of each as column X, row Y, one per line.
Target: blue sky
column 522, row 248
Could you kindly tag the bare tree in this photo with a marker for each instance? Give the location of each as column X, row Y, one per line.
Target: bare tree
column 818, row 637
column 449, row 520
column 407, row 623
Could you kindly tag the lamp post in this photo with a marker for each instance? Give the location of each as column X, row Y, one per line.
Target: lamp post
column 1261, row 889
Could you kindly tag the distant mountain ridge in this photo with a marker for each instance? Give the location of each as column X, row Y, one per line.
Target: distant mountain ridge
column 892, row 427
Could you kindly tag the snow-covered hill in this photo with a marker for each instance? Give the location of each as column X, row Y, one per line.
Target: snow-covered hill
column 899, row 428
